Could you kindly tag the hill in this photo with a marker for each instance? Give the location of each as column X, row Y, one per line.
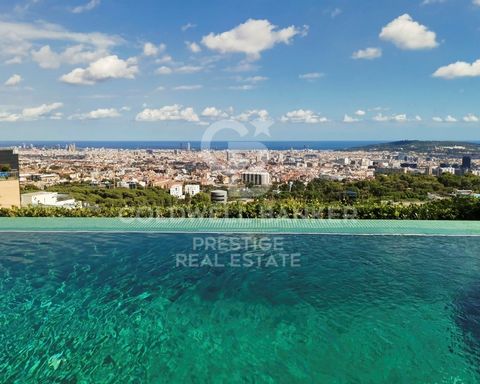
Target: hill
column 456, row 148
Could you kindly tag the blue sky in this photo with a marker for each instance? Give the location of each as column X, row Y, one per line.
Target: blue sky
column 306, row 70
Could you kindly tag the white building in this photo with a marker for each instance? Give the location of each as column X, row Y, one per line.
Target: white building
column 443, row 170
column 48, row 199
column 192, row 189
column 177, row 190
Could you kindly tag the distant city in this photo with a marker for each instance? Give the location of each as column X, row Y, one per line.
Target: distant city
column 187, row 170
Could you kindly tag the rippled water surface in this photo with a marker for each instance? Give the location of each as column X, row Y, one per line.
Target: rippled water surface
column 115, row 308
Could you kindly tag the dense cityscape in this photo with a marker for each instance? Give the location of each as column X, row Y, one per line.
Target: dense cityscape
column 184, row 173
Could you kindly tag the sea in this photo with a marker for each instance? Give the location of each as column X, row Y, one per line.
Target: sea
column 195, row 145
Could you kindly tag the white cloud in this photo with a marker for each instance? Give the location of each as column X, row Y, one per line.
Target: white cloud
column 381, row 117
column 163, row 70
column 360, row 112
column 430, row 2
column 187, row 87
column 193, row 47
column 406, row 33
column 349, row 119
column 471, row 118
column 303, row 116
column 244, row 87
column 189, row 69
column 86, row 7
column 476, row 2
column 184, row 69
column 251, row 79
column 6, row 117
column 336, row 12
column 19, row 38
column 312, row 76
column 448, row 119
column 13, row 80
column 214, row 113
column 42, row 110
column 109, row 67
column 243, row 66
column 33, row 113
column 150, row 49
column 459, row 69
column 188, row 26
column 174, row 112
column 367, row 54
column 101, row 113
column 400, row 118
column 77, row 54
column 164, row 59
column 251, row 38
column 254, row 114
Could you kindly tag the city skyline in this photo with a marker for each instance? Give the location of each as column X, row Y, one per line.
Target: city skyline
column 335, row 70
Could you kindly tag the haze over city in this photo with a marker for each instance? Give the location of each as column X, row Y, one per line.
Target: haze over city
column 318, row 70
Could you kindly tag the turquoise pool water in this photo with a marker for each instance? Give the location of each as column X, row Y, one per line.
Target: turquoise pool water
column 120, row 308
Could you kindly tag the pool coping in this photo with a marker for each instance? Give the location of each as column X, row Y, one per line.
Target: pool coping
column 232, row 225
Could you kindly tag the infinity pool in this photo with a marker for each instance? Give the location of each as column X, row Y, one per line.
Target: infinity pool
column 252, row 308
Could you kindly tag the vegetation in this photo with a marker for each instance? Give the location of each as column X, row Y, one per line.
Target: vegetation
column 403, row 196
column 384, row 187
column 456, row 148
column 449, row 209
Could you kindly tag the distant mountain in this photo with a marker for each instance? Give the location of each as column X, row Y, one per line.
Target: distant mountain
column 419, row 146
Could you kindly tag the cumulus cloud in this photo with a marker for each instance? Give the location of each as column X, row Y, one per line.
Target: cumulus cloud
column 360, row 112
column 33, row 113
column 406, row 33
column 150, row 49
column 214, row 113
column 367, row 54
column 471, row 118
column 311, row 76
column 92, row 4
column 174, row 112
column 350, row 119
column 164, row 70
column 251, row 38
column 101, row 113
column 77, row 54
column 448, row 119
column 458, row 69
column 303, row 116
column 18, row 38
column 193, row 47
column 42, row 110
column 254, row 114
column 13, row 81
column 400, row 118
column 109, row 67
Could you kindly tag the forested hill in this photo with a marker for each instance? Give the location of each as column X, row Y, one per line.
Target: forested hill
column 433, row 147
